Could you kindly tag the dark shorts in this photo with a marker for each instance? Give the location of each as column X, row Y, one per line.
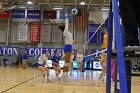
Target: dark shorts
column 39, row 65
column 67, row 48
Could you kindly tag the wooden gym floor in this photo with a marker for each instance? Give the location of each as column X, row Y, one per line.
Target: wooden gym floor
column 30, row 80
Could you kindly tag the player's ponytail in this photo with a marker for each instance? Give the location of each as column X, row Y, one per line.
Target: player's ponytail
column 61, row 27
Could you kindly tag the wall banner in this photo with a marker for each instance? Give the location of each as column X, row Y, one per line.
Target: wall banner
column 22, row 32
column 35, row 32
column 33, row 14
column 20, row 14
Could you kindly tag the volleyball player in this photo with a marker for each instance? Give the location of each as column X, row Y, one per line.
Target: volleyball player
column 88, row 59
column 41, row 65
column 79, row 58
column 24, row 59
column 67, row 47
column 55, row 63
column 104, row 55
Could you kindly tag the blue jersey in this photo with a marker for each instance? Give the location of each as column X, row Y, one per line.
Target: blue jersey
column 25, row 56
column 5, row 59
column 56, row 59
column 88, row 58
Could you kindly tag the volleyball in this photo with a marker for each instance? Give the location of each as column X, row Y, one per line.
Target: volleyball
column 74, row 11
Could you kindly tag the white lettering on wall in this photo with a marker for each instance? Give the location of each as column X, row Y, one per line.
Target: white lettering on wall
column 9, row 50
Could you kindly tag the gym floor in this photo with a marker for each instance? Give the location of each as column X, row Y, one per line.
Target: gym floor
column 30, row 80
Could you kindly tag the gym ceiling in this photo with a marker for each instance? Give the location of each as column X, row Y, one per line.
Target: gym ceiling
column 90, row 5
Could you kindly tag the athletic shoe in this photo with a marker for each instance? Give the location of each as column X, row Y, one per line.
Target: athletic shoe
column 47, row 80
column 102, row 78
column 59, row 78
column 67, row 79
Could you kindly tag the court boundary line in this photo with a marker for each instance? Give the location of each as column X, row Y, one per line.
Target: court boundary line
column 97, row 86
column 20, row 83
column 92, row 84
column 74, row 84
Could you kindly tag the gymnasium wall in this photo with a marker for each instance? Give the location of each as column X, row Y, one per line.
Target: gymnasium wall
column 50, row 36
column 3, row 30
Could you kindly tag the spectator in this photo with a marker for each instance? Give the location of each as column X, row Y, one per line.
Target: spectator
column 24, row 59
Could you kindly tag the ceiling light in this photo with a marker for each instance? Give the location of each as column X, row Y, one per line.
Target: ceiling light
column 82, row 3
column 57, row 8
column 30, row 2
column 22, row 7
column 105, row 9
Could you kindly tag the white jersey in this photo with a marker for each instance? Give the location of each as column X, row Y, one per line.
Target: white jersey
column 67, row 33
column 79, row 57
column 42, row 59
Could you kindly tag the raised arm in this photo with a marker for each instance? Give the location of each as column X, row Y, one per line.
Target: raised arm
column 66, row 23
